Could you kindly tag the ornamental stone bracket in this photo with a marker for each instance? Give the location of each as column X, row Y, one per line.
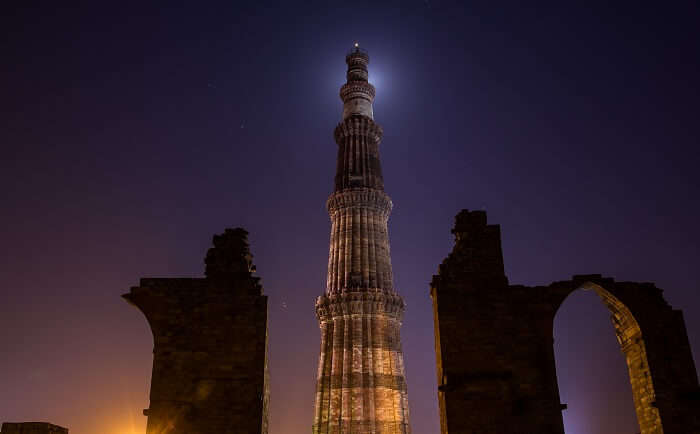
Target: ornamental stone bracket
column 365, row 302
column 366, row 198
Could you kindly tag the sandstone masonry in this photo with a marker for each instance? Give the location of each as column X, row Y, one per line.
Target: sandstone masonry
column 210, row 345
column 494, row 344
column 361, row 384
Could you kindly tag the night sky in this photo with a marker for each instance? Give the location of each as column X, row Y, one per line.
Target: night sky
column 131, row 134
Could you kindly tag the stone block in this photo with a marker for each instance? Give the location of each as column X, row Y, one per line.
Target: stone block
column 32, row 428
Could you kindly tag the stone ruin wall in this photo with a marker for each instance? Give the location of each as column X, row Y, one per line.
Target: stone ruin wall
column 210, row 372
column 494, row 344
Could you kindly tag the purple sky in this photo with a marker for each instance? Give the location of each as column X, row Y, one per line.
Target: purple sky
column 131, row 134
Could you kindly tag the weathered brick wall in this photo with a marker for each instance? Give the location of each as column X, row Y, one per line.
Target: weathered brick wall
column 32, row 428
column 210, row 350
column 494, row 344
column 495, row 363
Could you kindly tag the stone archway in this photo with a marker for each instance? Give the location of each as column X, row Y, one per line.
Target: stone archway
column 631, row 343
column 494, row 344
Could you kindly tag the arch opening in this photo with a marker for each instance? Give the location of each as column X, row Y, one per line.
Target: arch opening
column 631, row 341
column 591, row 371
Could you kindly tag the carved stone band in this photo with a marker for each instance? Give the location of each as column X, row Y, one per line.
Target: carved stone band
column 329, row 306
column 360, row 198
column 357, row 89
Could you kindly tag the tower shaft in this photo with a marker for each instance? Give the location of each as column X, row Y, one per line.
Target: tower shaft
column 361, row 386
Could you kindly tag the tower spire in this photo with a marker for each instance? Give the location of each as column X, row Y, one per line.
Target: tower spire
column 357, row 94
column 361, row 385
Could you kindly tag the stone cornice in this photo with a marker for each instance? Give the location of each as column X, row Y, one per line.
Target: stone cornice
column 341, row 304
column 359, row 198
column 357, row 89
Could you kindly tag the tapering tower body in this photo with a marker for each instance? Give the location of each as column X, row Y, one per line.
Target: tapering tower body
column 361, row 385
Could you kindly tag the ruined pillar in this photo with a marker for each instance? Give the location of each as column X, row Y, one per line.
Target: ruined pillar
column 210, row 345
column 495, row 359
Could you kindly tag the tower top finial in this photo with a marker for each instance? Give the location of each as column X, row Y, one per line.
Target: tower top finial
column 357, row 94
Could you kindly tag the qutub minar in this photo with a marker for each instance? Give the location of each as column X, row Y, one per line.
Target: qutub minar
column 361, row 385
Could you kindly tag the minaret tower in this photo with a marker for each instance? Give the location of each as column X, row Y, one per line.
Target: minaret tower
column 361, row 385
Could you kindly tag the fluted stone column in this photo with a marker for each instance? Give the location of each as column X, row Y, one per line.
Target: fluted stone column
column 361, row 385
